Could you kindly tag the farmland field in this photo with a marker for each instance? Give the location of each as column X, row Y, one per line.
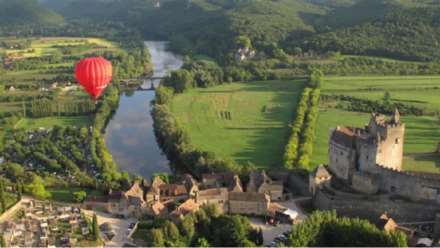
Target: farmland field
column 420, row 91
column 48, row 122
column 33, row 64
column 246, row 122
column 422, row 132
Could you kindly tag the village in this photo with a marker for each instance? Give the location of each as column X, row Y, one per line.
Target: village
column 43, row 224
column 272, row 203
column 46, row 224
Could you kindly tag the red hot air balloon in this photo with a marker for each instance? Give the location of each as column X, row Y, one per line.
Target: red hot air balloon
column 94, row 74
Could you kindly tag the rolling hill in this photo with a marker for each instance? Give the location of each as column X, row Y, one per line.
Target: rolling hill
column 24, row 12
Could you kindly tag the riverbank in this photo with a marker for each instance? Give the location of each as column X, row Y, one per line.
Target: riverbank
column 129, row 134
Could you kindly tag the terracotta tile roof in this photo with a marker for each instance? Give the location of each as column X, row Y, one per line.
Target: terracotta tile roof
column 158, row 208
column 189, row 206
column 248, row 196
column 135, row 191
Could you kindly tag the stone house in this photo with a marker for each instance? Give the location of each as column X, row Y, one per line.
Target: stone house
column 259, row 182
column 216, row 196
column 248, row 203
column 128, row 203
column 172, row 192
column 221, row 180
column 153, row 193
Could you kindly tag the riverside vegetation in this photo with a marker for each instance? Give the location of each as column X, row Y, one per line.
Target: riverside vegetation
column 36, row 92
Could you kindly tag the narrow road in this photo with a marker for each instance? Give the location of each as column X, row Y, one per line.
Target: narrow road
column 271, row 232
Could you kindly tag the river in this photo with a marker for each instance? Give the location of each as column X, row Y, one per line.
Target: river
column 129, row 134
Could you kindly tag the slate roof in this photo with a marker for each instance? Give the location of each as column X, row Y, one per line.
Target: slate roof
column 344, row 136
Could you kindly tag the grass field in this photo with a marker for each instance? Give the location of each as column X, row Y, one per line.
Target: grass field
column 37, row 77
column 66, row 194
column 421, row 138
column 258, row 128
column 48, row 122
column 420, row 91
column 47, row 45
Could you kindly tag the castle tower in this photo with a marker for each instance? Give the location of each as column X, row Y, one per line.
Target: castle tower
column 396, row 117
column 389, row 148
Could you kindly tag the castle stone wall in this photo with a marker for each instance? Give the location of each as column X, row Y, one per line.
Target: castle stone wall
column 412, row 185
column 371, row 209
column 341, row 160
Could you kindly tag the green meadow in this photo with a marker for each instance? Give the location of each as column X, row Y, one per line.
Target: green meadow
column 246, row 122
column 48, row 122
column 420, row 91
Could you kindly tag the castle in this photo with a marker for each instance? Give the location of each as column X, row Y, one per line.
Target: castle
column 356, row 153
column 365, row 165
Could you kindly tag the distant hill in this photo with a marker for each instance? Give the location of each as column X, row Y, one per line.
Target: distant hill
column 401, row 29
column 23, row 12
column 56, row 5
column 210, row 26
column 334, row 3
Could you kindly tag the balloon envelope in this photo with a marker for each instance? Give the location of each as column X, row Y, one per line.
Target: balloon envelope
column 94, row 74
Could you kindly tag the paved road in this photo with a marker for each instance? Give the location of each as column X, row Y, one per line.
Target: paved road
column 119, row 226
column 271, row 232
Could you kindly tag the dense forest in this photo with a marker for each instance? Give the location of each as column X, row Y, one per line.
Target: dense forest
column 401, row 29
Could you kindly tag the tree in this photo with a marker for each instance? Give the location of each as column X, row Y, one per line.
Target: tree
column 19, row 191
column 187, row 227
column 327, row 229
column 315, row 79
column 202, row 242
column 36, row 188
column 243, row 41
column 2, row 241
column 171, row 231
column 95, row 228
column 156, row 238
column 231, row 230
column 387, row 98
column 14, row 171
column 2, row 198
column 180, row 80
column 79, row 196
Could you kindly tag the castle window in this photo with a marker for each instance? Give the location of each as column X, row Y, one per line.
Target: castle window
column 397, row 141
